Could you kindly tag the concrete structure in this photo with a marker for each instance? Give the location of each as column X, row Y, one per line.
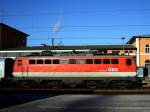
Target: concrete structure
column 11, row 37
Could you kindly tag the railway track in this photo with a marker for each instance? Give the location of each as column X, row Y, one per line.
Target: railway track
column 78, row 90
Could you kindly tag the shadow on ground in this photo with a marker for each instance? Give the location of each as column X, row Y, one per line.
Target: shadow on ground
column 8, row 98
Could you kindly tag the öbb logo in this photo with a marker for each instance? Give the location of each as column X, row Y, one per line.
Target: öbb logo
column 112, row 69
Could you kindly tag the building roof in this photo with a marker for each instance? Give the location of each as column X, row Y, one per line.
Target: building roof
column 90, row 47
column 7, row 26
column 139, row 36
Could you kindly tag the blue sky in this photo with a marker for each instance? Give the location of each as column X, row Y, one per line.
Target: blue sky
column 82, row 22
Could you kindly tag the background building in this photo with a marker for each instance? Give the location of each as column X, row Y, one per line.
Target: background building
column 11, row 37
column 142, row 43
column 100, row 49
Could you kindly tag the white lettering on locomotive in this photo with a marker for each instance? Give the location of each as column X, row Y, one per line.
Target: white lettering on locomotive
column 112, row 69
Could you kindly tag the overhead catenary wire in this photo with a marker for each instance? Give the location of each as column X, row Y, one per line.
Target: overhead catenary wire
column 73, row 38
column 86, row 26
column 80, row 30
column 33, row 26
column 79, row 27
column 81, row 12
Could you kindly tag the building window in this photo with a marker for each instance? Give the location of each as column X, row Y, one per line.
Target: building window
column 147, row 48
column 115, row 52
column 131, row 51
column 147, row 63
column 23, row 41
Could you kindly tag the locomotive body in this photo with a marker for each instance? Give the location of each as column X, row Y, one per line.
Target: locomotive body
column 74, row 69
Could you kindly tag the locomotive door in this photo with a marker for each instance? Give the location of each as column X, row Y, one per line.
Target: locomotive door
column 147, row 67
column 24, row 68
column 145, row 72
column 24, row 71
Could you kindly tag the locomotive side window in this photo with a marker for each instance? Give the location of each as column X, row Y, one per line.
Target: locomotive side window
column 31, row 61
column 89, row 61
column 106, row 61
column 39, row 61
column 81, row 61
column 56, row 61
column 72, row 61
column 114, row 61
column 97, row 61
column 63, row 61
column 47, row 61
column 128, row 62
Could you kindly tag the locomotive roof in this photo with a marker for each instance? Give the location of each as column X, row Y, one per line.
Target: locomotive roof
column 116, row 56
column 76, row 47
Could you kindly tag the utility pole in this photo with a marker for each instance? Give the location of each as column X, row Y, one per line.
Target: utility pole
column 52, row 42
column 123, row 38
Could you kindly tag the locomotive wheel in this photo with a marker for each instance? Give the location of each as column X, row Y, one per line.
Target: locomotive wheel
column 54, row 84
column 25, row 84
column 91, row 84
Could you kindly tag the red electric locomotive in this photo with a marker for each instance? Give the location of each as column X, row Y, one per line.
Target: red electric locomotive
column 75, row 70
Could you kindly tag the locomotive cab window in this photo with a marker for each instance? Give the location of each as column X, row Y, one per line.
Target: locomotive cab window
column 39, row 61
column 31, row 61
column 128, row 62
column 89, row 61
column 114, row 61
column 97, row 61
column 106, row 61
